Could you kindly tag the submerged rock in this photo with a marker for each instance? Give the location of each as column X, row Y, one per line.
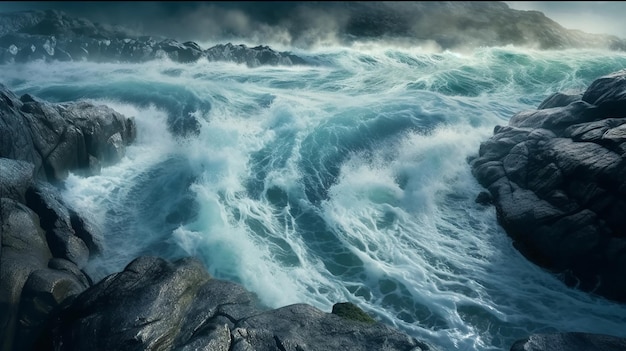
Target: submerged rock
column 556, row 177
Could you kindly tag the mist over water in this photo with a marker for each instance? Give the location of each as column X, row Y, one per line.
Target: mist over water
column 344, row 181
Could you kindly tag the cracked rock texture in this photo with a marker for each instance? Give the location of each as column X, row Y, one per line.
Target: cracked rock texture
column 557, row 177
column 51, row 35
column 159, row 305
column 59, row 138
column 44, row 245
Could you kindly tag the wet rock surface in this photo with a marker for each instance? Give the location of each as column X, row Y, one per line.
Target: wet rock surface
column 159, row 305
column 556, row 177
column 55, row 36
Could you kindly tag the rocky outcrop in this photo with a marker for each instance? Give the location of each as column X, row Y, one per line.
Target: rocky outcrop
column 158, row 305
column 252, row 57
column 45, row 244
column 58, row 138
column 48, row 303
column 55, row 36
column 556, row 176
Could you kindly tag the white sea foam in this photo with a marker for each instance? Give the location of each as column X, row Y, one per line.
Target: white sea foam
column 343, row 181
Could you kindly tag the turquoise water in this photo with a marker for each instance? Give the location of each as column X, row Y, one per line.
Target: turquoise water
column 343, row 181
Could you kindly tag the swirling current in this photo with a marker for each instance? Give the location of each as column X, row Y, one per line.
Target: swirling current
column 346, row 180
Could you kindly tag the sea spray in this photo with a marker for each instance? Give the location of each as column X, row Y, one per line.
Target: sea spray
column 342, row 181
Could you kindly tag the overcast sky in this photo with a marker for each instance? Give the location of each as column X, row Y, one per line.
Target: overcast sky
column 601, row 17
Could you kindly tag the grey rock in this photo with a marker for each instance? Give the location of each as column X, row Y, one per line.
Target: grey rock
column 62, row 138
column 55, row 36
column 23, row 251
column 16, row 142
column 17, row 177
column 55, row 217
column 44, row 291
column 158, row 305
column 44, row 244
column 556, row 177
column 610, row 89
column 558, row 100
column 252, row 57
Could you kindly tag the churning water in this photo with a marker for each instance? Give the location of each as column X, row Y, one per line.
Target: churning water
column 346, row 180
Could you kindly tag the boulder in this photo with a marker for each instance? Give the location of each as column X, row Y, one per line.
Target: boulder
column 24, row 250
column 44, row 244
column 61, row 138
column 159, row 305
column 556, row 177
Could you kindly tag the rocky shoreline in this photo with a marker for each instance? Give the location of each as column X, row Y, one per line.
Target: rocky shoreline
column 47, row 301
column 54, row 36
column 556, row 177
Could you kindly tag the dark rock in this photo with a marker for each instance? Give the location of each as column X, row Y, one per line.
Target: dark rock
column 351, row 312
column 484, row 198
column 23, row 251
column 87, row 231
column 181, row 52
column 570, row 342
column 54, row 36
column 154, row 304
column 105, row 131
column 43, row 242
column 45, row 200
column 557, row 119
column 556, row 177
column 62, row 138
column 299, row 327
column 44, row 291
column 608, row 92
column 142, row 306
column 17, row 177
column 558, row 100
column 70, row 268
column 252, row 57
column 16, row 142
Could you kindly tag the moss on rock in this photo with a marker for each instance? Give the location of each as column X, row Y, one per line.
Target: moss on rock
column 350, row 311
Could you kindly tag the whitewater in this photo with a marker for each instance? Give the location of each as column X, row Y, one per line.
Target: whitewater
column 344, row 180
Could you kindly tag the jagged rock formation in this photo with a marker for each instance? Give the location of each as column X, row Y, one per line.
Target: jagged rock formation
column 157, row 305
column 57, row 138
column 55, row 36
column 46, row 300
column 253, row 57
column 45, row 244
column 556, row 176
